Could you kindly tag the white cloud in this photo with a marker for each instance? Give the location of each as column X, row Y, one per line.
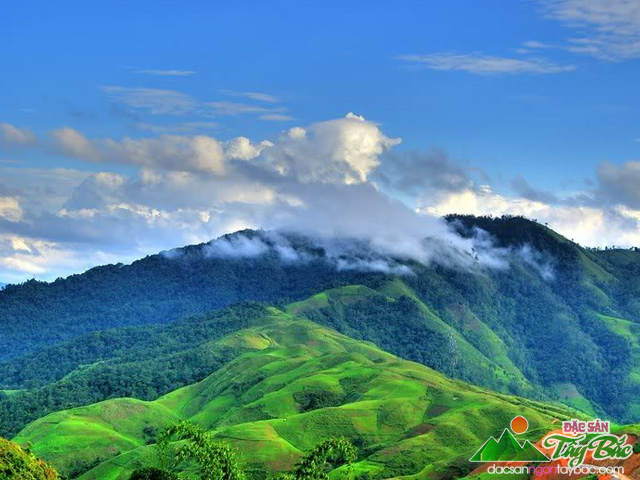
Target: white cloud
column 616, row 16
column 241, row 148
column 171, row 152
column 23, row 257
column 587, row 225
column 73, row 143
column 258, row 96
column 167, row 73
column 176, row 128
column 276, row 117
column 225, row 108
column 10, row 209
column 153, row 100
column 345, row 150
column 607, row 29
column 14, row 136
column 536, row 45
column 480, row 64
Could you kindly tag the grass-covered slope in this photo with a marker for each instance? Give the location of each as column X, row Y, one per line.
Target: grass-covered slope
column 297, row 384
column 468, row 349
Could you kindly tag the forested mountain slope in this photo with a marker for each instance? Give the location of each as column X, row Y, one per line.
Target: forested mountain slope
column 553, row 321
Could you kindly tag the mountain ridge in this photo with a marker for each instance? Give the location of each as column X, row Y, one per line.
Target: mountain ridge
column 567, row 336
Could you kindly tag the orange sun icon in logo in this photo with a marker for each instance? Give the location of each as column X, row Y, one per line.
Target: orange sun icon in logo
column 519, row 424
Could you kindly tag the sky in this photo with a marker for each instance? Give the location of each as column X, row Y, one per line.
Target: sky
column 131, row 127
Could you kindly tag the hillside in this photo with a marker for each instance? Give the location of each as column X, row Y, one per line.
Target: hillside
column 554, row 321
column 296, row 384
column 17, row 463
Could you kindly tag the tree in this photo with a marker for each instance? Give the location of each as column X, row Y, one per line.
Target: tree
column 152, row 473
column 215, row 461
column 314, row 465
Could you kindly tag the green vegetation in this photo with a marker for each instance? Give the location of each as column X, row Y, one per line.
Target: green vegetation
column 214, row 461
column 487, row 327
column 20, row 464
column 315, row 464
column 139, row 362
column 558, row 325
column 404, row 418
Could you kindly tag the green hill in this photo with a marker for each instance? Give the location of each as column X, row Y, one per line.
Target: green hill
column 296, row 384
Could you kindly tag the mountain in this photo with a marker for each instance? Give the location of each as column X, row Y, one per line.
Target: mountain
column 508, row 449
column 295, row 384
column 158, row 289
column 550, row 320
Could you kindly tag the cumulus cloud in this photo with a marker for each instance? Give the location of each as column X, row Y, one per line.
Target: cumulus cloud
column 480, row 64
column 341, row 150
column 11, row 136
column 242, row 148
column 345, row 150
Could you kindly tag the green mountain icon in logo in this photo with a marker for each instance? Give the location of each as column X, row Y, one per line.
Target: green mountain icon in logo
column 507, row 449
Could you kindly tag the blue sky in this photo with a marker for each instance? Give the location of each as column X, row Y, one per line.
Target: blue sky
column 532, row 101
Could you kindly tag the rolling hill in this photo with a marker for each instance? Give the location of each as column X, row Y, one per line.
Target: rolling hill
column 295, row 384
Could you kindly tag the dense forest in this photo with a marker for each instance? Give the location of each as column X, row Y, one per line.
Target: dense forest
column 156, row 289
